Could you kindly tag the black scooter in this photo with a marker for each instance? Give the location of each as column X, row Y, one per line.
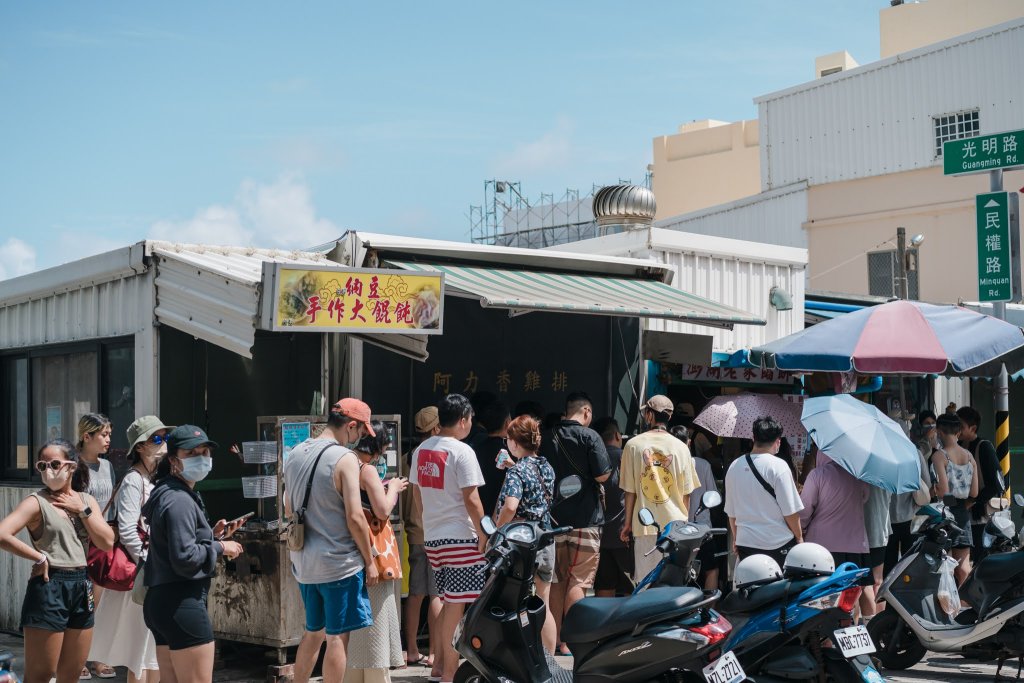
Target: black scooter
column 666, row 634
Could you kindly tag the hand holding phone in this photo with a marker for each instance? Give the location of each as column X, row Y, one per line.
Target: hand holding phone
column 233, row 526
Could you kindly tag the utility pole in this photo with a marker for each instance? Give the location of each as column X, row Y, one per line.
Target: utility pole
column 1002, row 397
column 902, row 292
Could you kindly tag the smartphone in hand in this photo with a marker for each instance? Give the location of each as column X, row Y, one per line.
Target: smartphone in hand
column 235, row 524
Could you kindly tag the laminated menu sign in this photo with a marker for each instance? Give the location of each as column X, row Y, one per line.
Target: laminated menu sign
column 292, row 434
column 336, row 299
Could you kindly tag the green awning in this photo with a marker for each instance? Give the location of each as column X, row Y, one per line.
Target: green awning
column 522, row 291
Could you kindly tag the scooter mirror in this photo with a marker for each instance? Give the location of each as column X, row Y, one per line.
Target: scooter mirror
column 570, row 486
column 488, row 525
column 1018, row 499
column 646, row 517
column 711, row 499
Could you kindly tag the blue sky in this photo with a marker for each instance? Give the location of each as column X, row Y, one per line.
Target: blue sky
column 284, row 124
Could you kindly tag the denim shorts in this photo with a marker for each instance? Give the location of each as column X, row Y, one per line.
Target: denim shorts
column 64, row 602
column 337, row 606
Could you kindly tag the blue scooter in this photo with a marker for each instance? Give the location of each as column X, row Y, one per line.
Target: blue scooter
column 783, row 628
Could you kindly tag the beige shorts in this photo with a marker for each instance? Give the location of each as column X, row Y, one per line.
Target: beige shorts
column 576, row 557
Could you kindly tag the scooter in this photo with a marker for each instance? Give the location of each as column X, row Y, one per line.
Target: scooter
column 914, row 620
column 781, row 627
column 666, row 634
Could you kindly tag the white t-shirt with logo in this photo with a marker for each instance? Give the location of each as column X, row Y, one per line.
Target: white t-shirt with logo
column 441, row 468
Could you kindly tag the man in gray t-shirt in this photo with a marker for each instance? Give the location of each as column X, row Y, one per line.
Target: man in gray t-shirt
column 334, row 566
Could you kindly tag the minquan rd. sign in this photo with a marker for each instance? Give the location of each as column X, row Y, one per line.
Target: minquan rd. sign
column 983, row 153
column 995, row 247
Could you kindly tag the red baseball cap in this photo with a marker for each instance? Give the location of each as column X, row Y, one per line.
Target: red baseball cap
column 356, row 410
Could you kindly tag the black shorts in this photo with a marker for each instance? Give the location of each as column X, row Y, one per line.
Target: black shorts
column 64, row 602
column 614, row 568
column 877, row 557
column 778, row 554
column 862, row 560
column 176, row 614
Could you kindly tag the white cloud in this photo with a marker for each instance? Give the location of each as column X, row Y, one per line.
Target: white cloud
column 551, row 150
column 280, row 214
column 16, row 258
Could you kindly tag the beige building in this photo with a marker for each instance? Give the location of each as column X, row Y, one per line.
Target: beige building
column 865, row 142
column 706, row 163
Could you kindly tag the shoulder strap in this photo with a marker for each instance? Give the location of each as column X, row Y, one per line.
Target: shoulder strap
column 559, row 447
column 760, row 479
column 312, row 474
column 543, row 485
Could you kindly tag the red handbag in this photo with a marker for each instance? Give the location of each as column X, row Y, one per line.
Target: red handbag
column 114, row 568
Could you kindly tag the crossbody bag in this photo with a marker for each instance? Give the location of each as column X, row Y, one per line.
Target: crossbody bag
column 296, row 534
column 584, row 477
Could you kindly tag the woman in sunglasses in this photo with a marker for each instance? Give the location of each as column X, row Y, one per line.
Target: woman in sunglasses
column 57, row 615
column 122, row 638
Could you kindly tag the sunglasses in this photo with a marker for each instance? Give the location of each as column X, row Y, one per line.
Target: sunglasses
column 156, row 439
column 54, row 465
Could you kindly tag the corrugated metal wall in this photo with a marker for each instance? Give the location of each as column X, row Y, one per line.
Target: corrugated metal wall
column 774, row 217
column 740, row 283
column 14, row 571
column 110, row 309
column 877, row 119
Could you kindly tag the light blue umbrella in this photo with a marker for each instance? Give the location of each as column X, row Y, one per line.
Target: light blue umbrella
column 863, row 441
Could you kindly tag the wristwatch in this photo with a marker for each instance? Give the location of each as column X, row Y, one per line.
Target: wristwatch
column 84, row 514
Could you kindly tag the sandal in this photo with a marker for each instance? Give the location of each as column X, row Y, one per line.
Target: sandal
column 86, row 675
column 419, row 661
column 103, row 671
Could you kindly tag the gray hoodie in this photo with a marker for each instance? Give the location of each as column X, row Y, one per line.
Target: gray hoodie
column 181, row 544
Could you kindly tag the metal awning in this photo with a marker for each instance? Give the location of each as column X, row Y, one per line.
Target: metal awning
column 522, row 291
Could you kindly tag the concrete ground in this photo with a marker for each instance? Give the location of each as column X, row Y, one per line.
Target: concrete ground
column 237, row 663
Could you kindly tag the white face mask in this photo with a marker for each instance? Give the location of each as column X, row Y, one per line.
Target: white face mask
column 196, row 468
column 55, row 481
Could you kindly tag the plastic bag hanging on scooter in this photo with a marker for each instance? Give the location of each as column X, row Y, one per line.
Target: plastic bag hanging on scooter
column 947, row 593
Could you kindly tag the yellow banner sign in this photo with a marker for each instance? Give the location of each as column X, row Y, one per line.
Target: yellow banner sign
column 335, row 299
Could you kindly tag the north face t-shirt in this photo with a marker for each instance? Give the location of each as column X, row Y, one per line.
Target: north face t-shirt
column 441, row 468
column 658, row 468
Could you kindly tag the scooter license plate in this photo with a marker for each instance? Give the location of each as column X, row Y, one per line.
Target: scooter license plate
column 726, row 669
column 854, row 641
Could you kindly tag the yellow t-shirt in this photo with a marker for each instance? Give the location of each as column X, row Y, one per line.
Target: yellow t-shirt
column 658, row 468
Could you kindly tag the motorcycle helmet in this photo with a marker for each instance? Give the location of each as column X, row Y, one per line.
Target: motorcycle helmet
column 808, row 559
column 755, row 570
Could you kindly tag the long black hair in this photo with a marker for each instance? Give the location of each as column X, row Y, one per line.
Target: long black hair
column 80, row 477
column 375, row 445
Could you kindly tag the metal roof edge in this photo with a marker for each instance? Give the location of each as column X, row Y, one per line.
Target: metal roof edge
column 85, row 272
column 961, row 39
column 470, row 253
column 727, row 247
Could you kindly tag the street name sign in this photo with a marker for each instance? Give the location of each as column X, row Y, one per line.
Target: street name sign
column 983, row 153
column 998, row 251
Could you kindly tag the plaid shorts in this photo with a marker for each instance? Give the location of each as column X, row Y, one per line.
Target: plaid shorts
column 576, row 557
column 459, row 568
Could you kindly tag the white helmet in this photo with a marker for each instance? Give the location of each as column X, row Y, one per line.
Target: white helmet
column 808, row 559
column 756, row 569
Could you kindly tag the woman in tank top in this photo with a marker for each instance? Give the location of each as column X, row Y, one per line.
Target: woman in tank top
column 61, row 519
column 957, row 484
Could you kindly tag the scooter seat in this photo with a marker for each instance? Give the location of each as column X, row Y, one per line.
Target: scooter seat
column 747, row 601
column 1000, row 568
column 595, row 619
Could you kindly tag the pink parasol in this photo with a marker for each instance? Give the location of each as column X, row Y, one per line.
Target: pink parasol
column 733, row 416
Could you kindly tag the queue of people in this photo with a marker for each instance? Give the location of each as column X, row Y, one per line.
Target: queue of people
column 474, row 459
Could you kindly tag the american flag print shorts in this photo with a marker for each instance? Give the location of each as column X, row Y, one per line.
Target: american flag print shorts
column 459, row 568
